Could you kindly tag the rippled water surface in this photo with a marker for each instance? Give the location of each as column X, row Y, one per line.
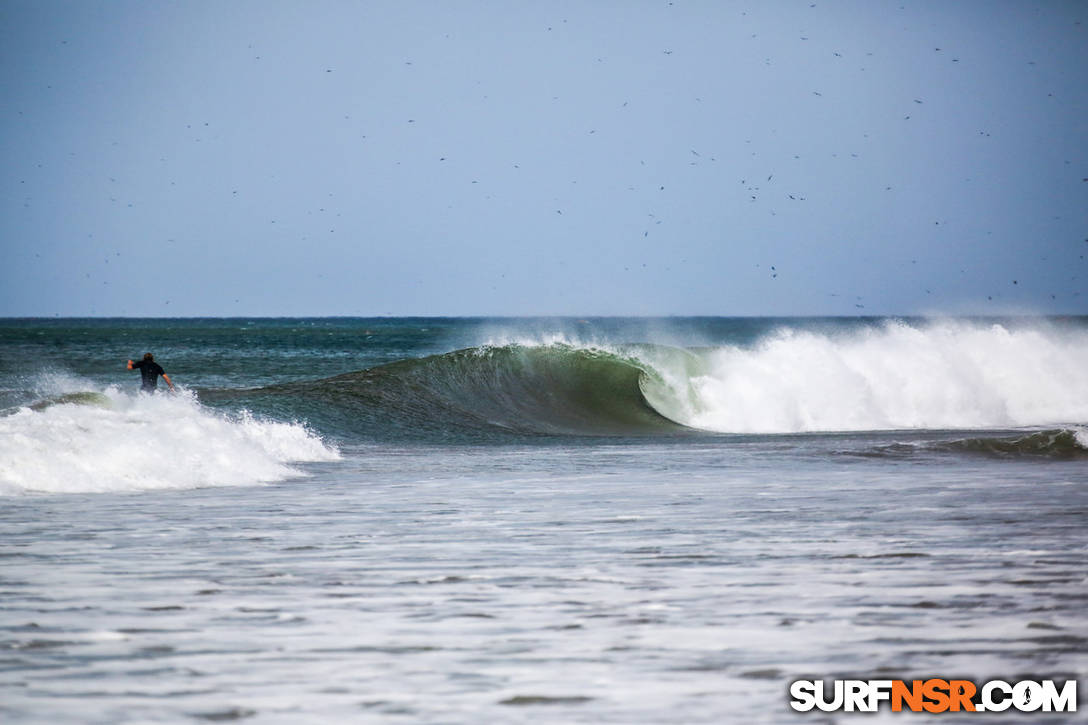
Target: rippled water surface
column 628, row 583
column 497, row 521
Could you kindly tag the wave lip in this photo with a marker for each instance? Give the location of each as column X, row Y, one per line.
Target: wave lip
column 96, row 441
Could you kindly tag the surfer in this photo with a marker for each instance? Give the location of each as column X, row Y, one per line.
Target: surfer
column 150, row 371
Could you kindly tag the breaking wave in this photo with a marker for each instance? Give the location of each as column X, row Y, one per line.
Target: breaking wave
column 933, row 376
column 942, row 375
column 1014, row 391
column 105, row 440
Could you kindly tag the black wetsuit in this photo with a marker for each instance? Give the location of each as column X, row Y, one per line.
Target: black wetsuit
column 150, row 370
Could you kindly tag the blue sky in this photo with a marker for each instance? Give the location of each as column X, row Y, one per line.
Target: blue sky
column 551, row 158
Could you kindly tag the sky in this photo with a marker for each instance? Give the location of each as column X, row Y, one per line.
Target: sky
column 273, row 158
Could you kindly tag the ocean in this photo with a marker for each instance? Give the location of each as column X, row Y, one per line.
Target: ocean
column 438, row 520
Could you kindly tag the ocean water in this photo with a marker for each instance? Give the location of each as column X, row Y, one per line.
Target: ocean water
column 531, row 520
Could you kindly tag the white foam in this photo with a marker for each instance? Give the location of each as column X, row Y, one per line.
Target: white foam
column 946, row 374
column 137, row 442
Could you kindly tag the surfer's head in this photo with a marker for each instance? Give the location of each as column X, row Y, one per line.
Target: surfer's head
column 149, row 357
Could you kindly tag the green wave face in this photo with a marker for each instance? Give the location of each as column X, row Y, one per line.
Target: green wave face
column 941, row 377
column 541, row 390
column 82, row 398
column 666, row 382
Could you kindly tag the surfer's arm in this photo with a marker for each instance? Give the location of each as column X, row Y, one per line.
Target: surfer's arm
column 129, row 366
column 167, row 379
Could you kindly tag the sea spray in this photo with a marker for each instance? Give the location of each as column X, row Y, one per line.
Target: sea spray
column 931, row 376
column 937, row 374
column 108, row 440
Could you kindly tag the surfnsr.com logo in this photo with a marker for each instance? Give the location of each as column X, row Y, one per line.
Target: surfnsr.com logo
column 934, row 695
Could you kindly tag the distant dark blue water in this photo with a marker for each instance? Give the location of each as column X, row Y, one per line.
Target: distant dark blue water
column 513, row 520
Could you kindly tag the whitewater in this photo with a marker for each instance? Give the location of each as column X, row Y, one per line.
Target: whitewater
column 109, row 440
column 895, row 376
column 444, row 520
